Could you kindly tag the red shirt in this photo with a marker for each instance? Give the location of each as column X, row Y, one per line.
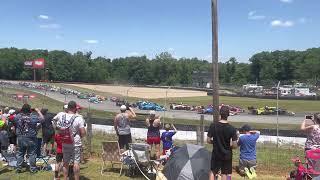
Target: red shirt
column 57, row 139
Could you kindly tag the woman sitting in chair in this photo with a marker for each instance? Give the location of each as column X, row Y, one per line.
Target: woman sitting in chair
column 312, row 131
column 153, row 136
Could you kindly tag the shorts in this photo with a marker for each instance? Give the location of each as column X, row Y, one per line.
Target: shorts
column 124, row 140
column 217, row 165
column 48, row 138
column 153, row 140
column 71, row 153
column 164, row 151
column 59, row 157
column 13, row 140
column 246, row 164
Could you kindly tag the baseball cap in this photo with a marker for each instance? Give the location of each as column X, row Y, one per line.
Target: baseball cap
column 123, row 108
column 65, row 106
column 12, row 111
column 245, row 127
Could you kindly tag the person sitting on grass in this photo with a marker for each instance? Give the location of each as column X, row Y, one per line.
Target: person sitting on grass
column 248, row 157
column 166, row 138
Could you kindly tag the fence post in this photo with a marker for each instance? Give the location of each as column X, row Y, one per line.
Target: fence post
column 202, row 130
column 89, row 132
column 198, row 135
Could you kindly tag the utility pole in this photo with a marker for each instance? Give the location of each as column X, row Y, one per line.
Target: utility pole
column 215, row 71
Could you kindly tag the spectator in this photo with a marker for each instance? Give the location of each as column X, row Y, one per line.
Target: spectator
column 5, row 113
column 122, row 126
column 26, row 131
column 166, row 138
column 71, row 130
column 248, row 157
column 3, row 136
column 11, row 129
column 153, row 135
column 312, row 131
column 220, row 135
column 59, row 155
column 47, row 132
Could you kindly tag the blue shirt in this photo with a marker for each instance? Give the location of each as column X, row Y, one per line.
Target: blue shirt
column 247, row 145
column 166, row 138
column 26, row 124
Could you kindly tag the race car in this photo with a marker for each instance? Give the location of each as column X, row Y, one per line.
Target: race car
column 180, row 106
column 94, row 100
column 114, row 99
column 145, row 105
column 83, row 96
column 269, row 111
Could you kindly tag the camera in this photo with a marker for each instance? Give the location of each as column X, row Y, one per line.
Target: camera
column 309, row 117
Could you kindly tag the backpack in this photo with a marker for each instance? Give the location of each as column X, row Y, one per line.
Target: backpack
column 66, row 132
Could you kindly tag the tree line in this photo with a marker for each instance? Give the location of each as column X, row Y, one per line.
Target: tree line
column 164, row 69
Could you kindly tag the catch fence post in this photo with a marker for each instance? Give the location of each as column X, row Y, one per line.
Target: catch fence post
column 202, row 130
column 89, row 132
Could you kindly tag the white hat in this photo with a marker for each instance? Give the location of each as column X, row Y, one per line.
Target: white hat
column 123, row 108
column 152, row 112
column 65, row 106
column 12, row 111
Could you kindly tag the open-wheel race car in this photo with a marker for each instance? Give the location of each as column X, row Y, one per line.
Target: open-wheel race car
column 94, row 100
column 175, row 106
column 233, row 110
column 145, row 105
column 269, row 111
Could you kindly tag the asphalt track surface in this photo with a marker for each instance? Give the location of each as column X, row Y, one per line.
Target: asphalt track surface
column 178, row 114
column 173, row 114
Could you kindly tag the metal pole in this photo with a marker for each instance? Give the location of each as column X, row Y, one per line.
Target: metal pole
column 215, row 73
column 277, row 116
column 165, row 106
column 34, row 75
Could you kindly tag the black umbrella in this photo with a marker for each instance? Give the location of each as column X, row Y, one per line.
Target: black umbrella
column 190, row 162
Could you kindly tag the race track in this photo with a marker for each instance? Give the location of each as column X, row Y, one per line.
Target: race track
column 174, row 114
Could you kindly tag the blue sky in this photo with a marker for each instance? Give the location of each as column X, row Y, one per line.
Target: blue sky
column 114, row 28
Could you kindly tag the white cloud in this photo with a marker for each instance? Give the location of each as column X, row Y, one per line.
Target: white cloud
column 91, row 41
column 133, row 54
column 286, row 1
column 279, row 23
column 252, row 15
column 50, row 26
column 41, row 16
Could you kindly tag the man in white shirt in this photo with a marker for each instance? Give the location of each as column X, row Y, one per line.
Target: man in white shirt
column 71, row 129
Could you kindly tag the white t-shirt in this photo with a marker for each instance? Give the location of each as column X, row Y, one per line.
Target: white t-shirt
column 76, row 125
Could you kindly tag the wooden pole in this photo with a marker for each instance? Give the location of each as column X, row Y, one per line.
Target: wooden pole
column 215, row 72
column 202, row 130
column 34, row 75
column 89, row 132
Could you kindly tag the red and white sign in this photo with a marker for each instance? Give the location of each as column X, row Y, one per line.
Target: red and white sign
column 38, row 63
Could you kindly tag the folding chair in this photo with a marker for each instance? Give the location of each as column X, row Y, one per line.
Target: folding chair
column 10, row 159
column 111, row 152
column 42, row 161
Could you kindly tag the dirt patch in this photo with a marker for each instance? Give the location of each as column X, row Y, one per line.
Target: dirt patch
column 141, row 92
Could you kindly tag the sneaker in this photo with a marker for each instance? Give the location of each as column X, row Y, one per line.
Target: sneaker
column 247, row 172
column 253, row 172
column 18, row 171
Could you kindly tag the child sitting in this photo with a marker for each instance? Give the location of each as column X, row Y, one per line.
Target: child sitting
column 248, row 159
column 166, row 138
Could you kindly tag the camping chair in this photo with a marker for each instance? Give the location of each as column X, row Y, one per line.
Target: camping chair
column 140, row 153
column 10, row 158
column 111, row 152
column 308, row 170
column 41, row 160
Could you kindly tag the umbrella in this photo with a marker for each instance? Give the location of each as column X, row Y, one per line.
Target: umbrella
column 190, row 162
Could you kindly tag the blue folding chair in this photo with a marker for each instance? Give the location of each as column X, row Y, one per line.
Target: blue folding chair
column 41, row 160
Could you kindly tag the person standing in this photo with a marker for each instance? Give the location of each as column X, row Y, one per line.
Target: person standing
column 220, row 135
column 47, row 132
column 26, row 130
column 153, row 135
column 122, row 126
column 71, row 129
column 312, row 131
